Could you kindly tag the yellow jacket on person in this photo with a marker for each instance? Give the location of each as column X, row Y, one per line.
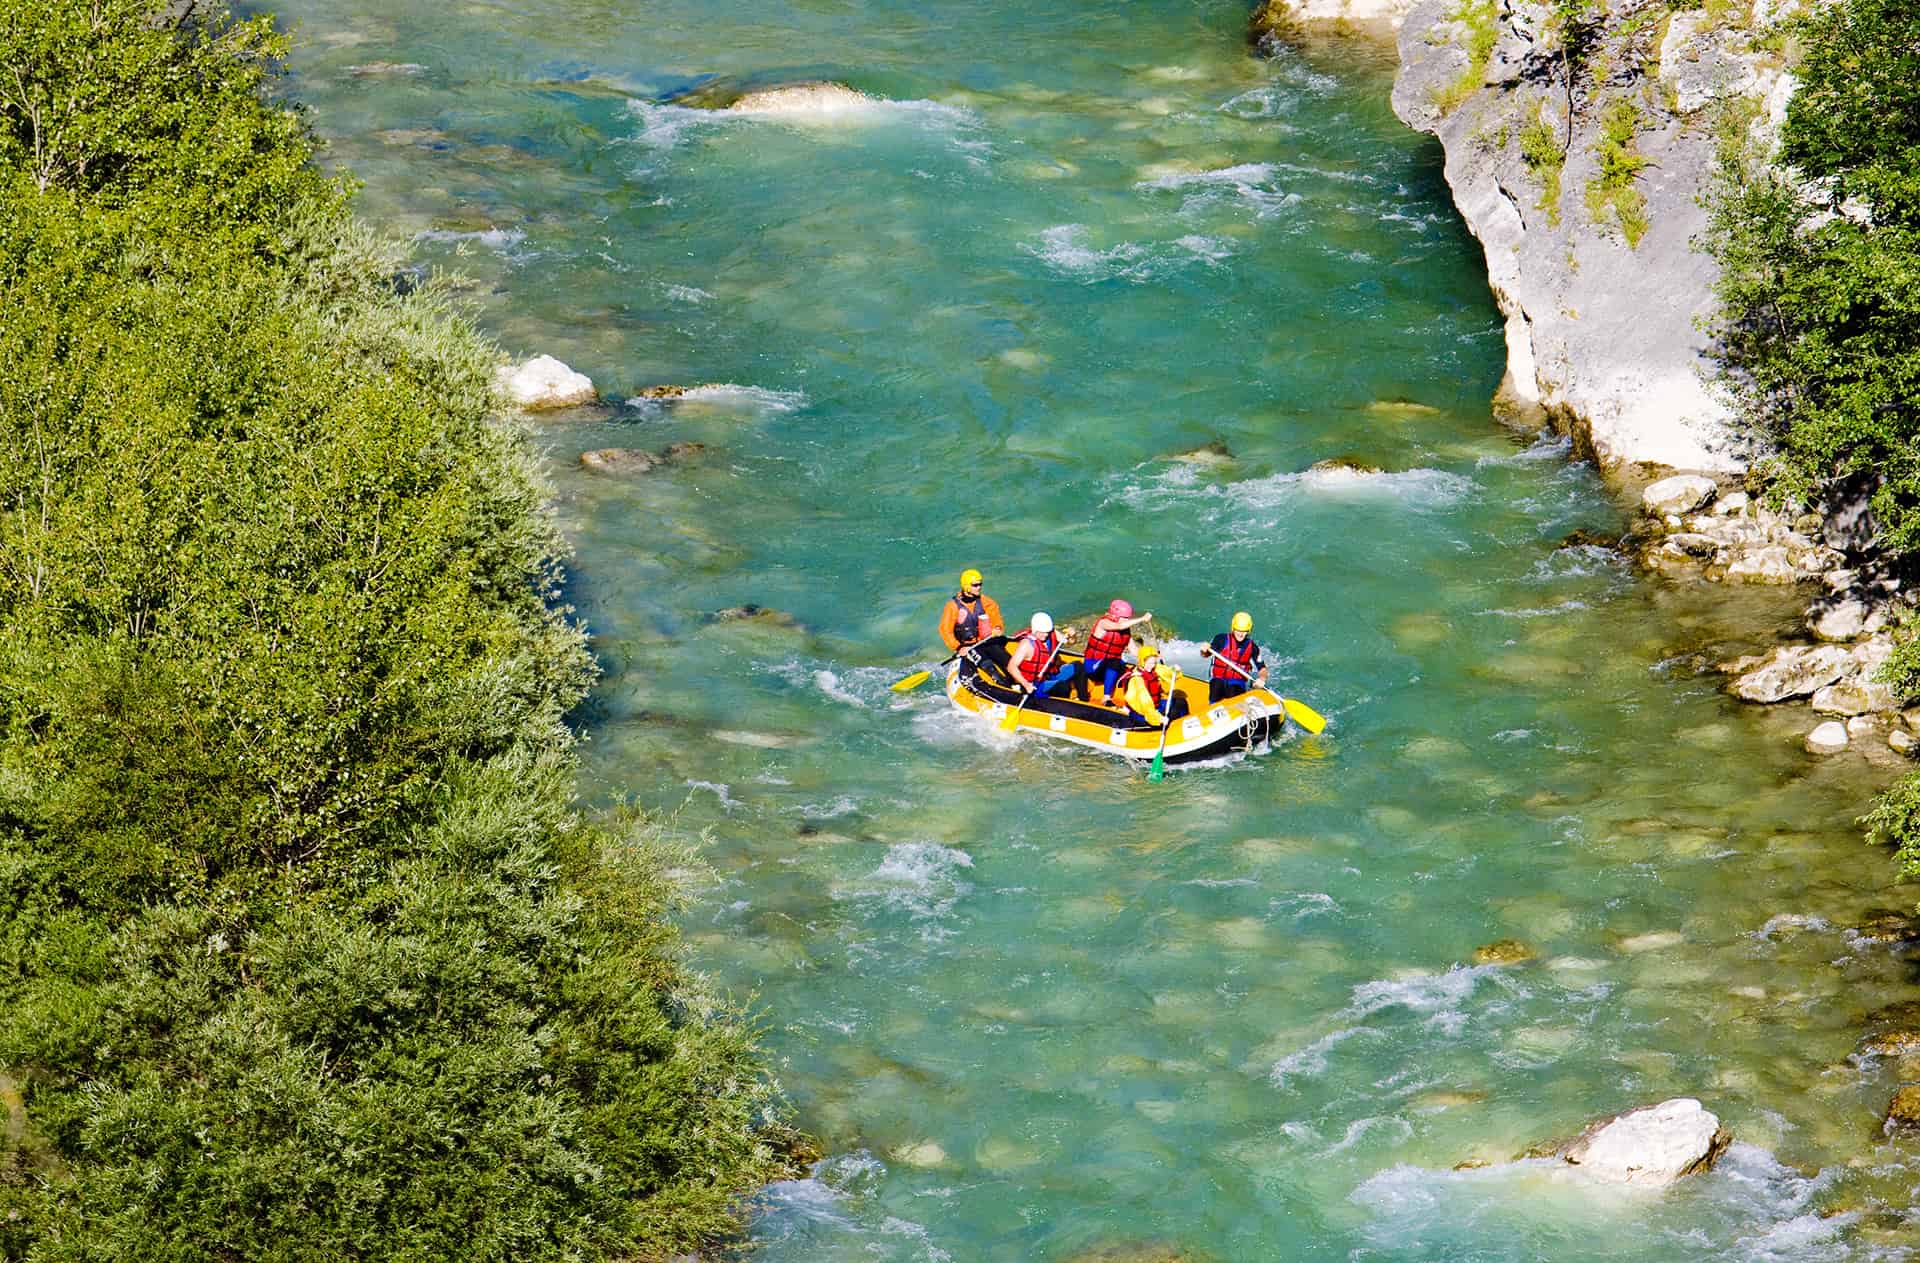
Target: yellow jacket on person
column 1139, row 697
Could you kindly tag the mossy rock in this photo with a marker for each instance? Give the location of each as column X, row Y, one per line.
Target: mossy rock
column 1584, row 538
column 1272, row 22
column 1506, row 951
column 1350, row 463
column 1903, row 1111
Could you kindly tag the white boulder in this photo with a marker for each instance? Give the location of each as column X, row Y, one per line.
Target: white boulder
column 1854, row 698
column 544, row 383
column 1844, row 620
column 1682, row 493
column 1772, row 564
column 1828, row 738
column 1649, row 1147
column 1793, row 671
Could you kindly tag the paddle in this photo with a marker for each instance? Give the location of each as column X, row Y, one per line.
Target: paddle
column 1301, row 713
column 1012, row 719
column 914, row 681
column 1159, row 769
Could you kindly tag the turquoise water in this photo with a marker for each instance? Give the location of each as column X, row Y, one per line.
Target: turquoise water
column 1035, row 1006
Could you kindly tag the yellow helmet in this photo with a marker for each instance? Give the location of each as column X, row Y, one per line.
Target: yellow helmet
column 1243, row 622
column 1147, row 654
column 970, row 577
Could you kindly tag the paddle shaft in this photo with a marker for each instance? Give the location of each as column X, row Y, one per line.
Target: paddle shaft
column 1311, row 716
column 1244, row 673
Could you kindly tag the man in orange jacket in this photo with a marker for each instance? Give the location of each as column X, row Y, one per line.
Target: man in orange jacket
column 969, row 615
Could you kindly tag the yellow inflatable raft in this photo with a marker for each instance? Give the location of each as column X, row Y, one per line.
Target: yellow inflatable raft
column 976, row 684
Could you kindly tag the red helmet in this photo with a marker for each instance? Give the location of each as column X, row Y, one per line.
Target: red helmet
column 1119, row 609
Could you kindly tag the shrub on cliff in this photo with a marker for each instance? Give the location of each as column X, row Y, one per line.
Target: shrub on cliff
column 1820, row 318
column 304, row 951
column 1820, row 313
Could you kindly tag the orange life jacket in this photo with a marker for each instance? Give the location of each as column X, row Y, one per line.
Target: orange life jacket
column 1108, row 645
column 1243, row 656
column 1042, row 653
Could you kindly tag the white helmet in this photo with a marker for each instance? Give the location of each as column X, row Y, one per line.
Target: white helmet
column 1041, row 623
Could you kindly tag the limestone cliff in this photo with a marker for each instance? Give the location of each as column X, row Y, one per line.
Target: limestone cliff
column 1578, row 140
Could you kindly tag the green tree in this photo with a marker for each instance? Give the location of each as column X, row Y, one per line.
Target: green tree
column 306, row 951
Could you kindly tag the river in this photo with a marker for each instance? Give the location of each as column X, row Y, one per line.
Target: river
column 1035, row 1006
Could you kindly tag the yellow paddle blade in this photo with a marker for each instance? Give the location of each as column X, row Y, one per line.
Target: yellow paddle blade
column 1304, row 715
column 913, row 681
column 1010, row 721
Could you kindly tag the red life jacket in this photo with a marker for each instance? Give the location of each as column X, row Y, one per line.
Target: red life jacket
column 1243, row 656
column 1036, row 661
column 1108, row 646
column 1152, row 679
column 966, row 627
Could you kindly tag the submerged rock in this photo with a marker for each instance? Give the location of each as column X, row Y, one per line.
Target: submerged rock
column 1895, row 1043
column 543, row 384
column 1885, row 926
column 1581, row 537
column 660, row 392
column 754, row 614
column 1507, row 951
column 1134, row 1252
column 1651, row 1146
column 1351, row 464
column 1903, row 1111
column 633, row 460
column 1212, row 452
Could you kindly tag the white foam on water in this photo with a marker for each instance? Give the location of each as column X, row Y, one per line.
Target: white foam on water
column 829, row 683
column 1790, row 921
column 1546, row 611
column 1437, row 997
column 1548, row 446
column 718, row 790
column 1311, row 1061
column 844, row 805
column 688, row 294
column 1580, row 561
column 1304, row 903
column 1357, row 1130
column 663, row 128
column 924, row 1248
column 1065, row 248
column 757, row 398
column 501, row 239
column 1247, row 182
column 1420, row 490
column 921, row 879
column 1215, row 883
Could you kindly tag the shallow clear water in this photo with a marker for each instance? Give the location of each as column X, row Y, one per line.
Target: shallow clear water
column 1034, row 1005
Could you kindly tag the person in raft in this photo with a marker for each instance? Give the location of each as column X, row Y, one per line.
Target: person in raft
column 1106, row 644
column 1033, row 656
column 970, row 615
column 1150, row 684
column 1235, row 649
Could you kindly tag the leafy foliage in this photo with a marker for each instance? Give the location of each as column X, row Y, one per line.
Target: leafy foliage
column 1612, row 193
column 1477, row 20
column 1540, row 150
column 1820, row 293
column 305, row 951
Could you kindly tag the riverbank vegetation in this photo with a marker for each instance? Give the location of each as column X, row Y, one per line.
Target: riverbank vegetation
column 1820, row 313
column 305, row 951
